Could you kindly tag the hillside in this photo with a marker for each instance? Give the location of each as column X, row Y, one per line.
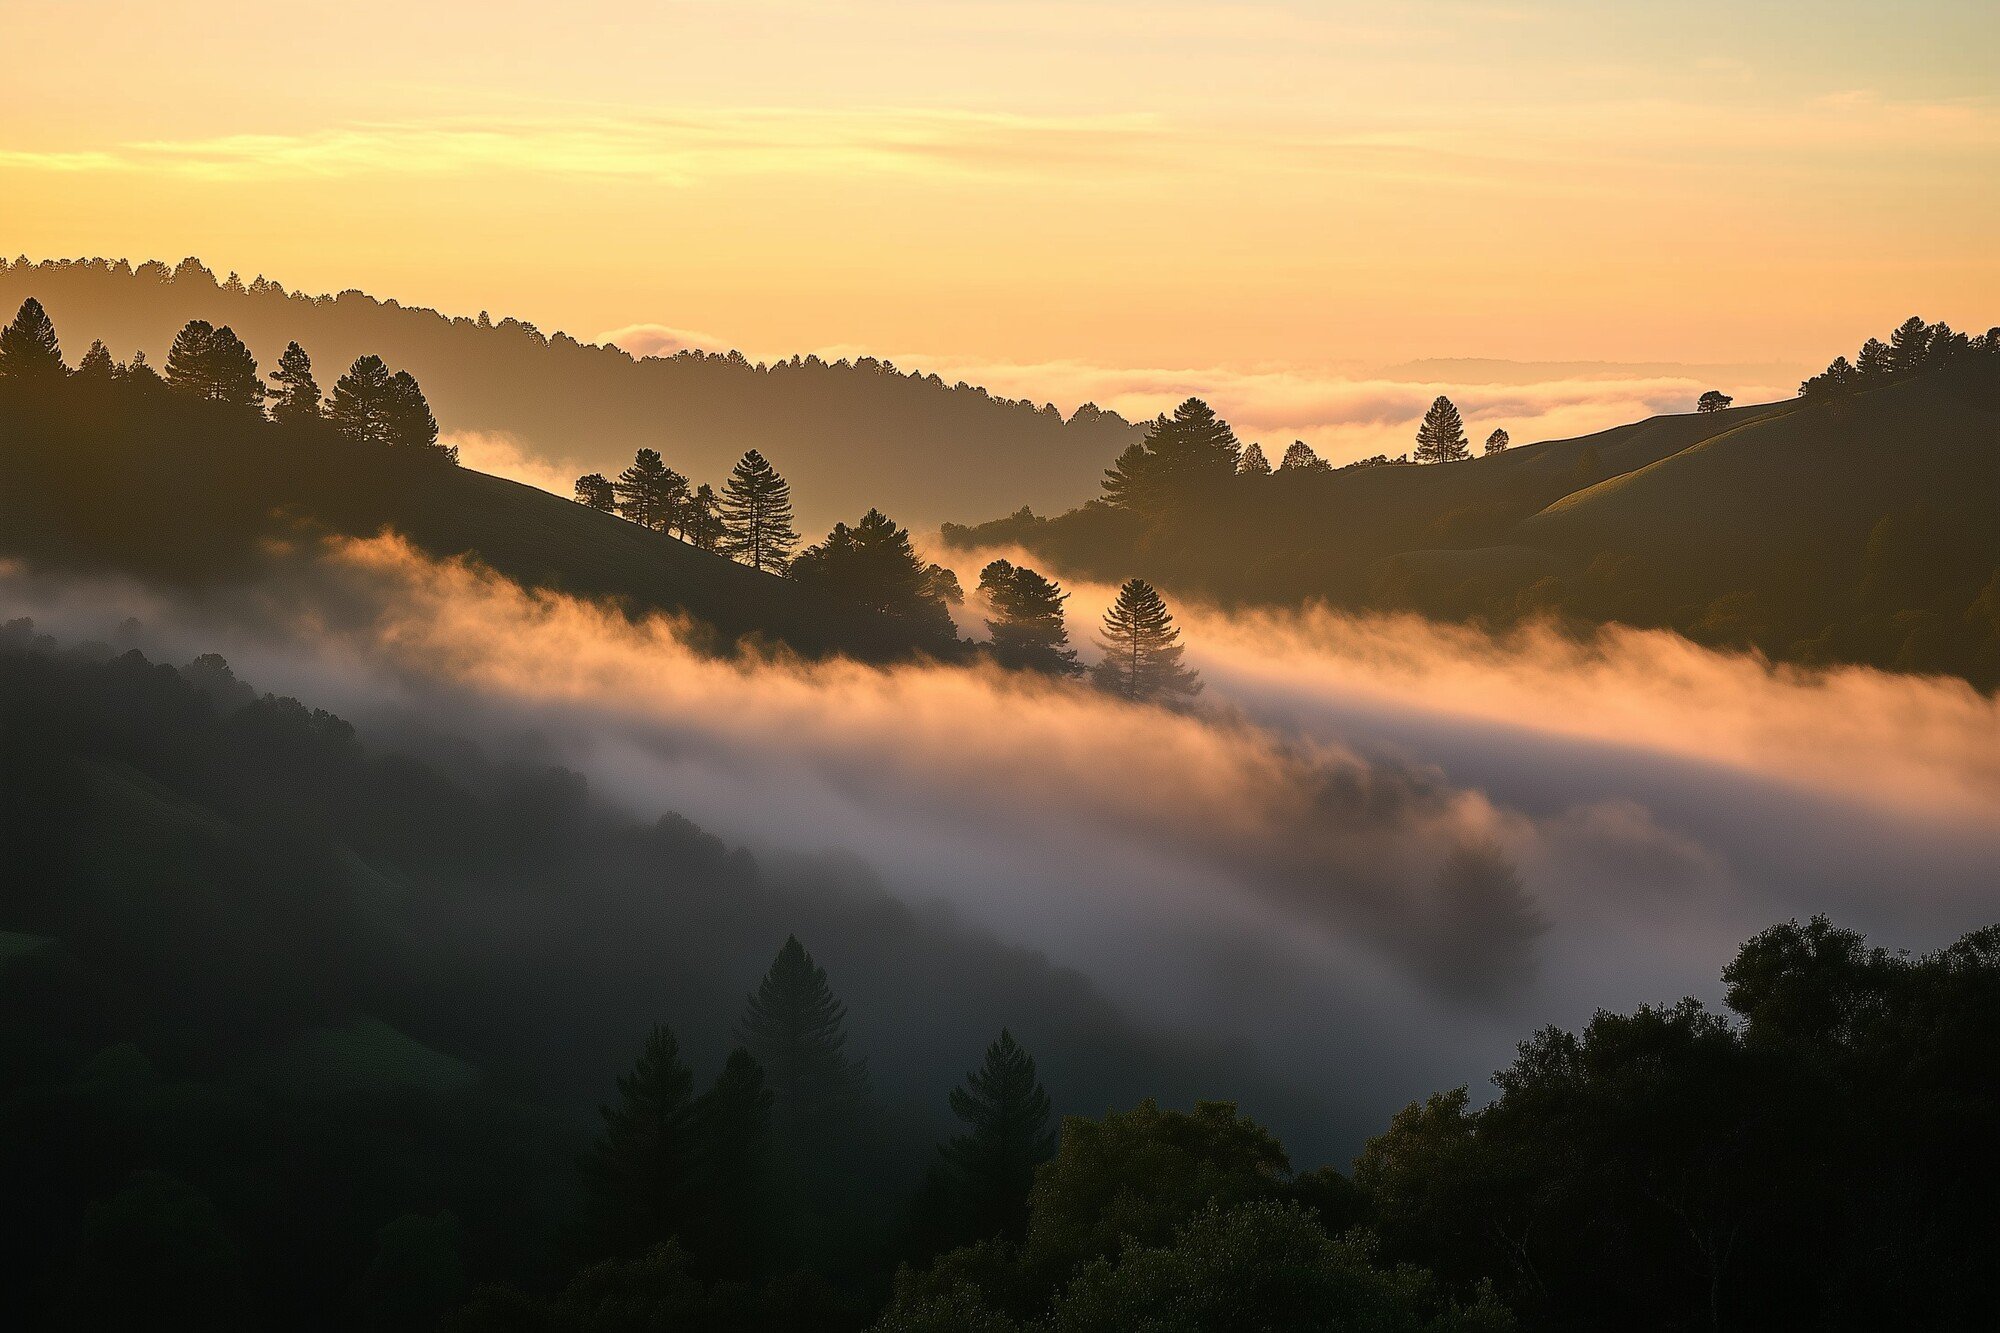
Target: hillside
column 1863, row 530
column 847, row 436
column 132, row 479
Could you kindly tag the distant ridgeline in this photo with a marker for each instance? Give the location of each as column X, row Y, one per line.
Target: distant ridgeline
column 1857, row 524
column 849, row 435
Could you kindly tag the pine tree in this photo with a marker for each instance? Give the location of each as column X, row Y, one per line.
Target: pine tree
column 1027, row 620
column 648, row 490
column 797, row 1031
column 1497, row 442
column 409, row 420
column 701, row 519
column 1908, row 344
column 141, row 372
column 213, row 364
column 595, row 490
column 873, row 564
column 97, row 368
column 1875, row 361
column 1441, row 437
column 1301, row 458
column 1254, row 463
column 732, row 1130
column 1142, row 650
column 29, row 351
column 757, row 515
column 1182, row 460
column 360, row 407
column 297, row 393
column 992, row 1165
column 638, row 1174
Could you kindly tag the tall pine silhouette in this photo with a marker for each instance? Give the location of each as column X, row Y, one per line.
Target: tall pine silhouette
column 297, row 394
column 637, row 1178
column 28, row 349
column 649, row 492
column 991, row 1165
column 212, row 363
column 1441, row 437
column 756, row 513
column 1142, row 649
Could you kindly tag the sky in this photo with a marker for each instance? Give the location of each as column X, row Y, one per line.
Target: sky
column 1255, row 189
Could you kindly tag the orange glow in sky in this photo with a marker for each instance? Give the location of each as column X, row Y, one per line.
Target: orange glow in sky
column 1114, row 184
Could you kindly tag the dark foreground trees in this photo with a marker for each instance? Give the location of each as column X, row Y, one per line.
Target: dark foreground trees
column 1142, row 649
column 756, row 514
column 29, row 350
column 873, row 564
column 372, row 405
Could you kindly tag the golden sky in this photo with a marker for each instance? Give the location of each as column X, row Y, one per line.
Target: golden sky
column 1010, row 181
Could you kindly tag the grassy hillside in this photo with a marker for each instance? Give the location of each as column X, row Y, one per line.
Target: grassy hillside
column 1864, row 529
column 137, row 479
column 847, row 436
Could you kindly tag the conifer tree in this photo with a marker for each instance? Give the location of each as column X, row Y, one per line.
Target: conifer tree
column 648, row 491
column 410, row 423
column 97, row 368
column 638, row 1174
column 1182, row 459
column 360, row 407
column 1027, row 620
column 595, row 490
column 1497, row 442
column 1441, row 437
column 1301, row 458
column 732, row 1130
column 701, row 519
column 1875, row 361
column 797, row 1031
column 757, row 515
column 992, row 1165
column 213, row 364
column 29, row 352
column 1908, row 345
column 873, row 564
column 297, row 393
column 1254, row 463
column 1142, row 650
column 141, row 372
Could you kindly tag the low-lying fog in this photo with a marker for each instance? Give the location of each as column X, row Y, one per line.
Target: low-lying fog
column 1382, row 851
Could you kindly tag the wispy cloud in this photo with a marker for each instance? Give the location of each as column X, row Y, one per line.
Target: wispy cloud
column 672, row 147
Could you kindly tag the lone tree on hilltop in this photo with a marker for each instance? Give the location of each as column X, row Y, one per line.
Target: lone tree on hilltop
column 297, row 392
column 29, row 352
column 594, row 490
column 756, row 514
column 1027, row 620
column 1715, row 400
column 1441, row 437
column 1497, row 442
column 1142, row 649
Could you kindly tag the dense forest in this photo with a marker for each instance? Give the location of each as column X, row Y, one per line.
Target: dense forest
column 1853, row 525
column 304, row 1031
column 849, row 434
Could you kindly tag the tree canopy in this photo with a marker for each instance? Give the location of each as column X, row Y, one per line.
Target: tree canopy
column 756, row 514
column 29, row 351
column 1142, row 649
column 1182, row 459
column 1441, row 436
column 1026, row 619
column 212, row 363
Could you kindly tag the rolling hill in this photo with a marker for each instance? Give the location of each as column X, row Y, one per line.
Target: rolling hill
column 1864, row 529
column 847, row 436
column 143, row 481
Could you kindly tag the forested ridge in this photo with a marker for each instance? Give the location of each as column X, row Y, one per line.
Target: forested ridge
column 305, row 1031
column 850, row 434
column 1856, row 524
